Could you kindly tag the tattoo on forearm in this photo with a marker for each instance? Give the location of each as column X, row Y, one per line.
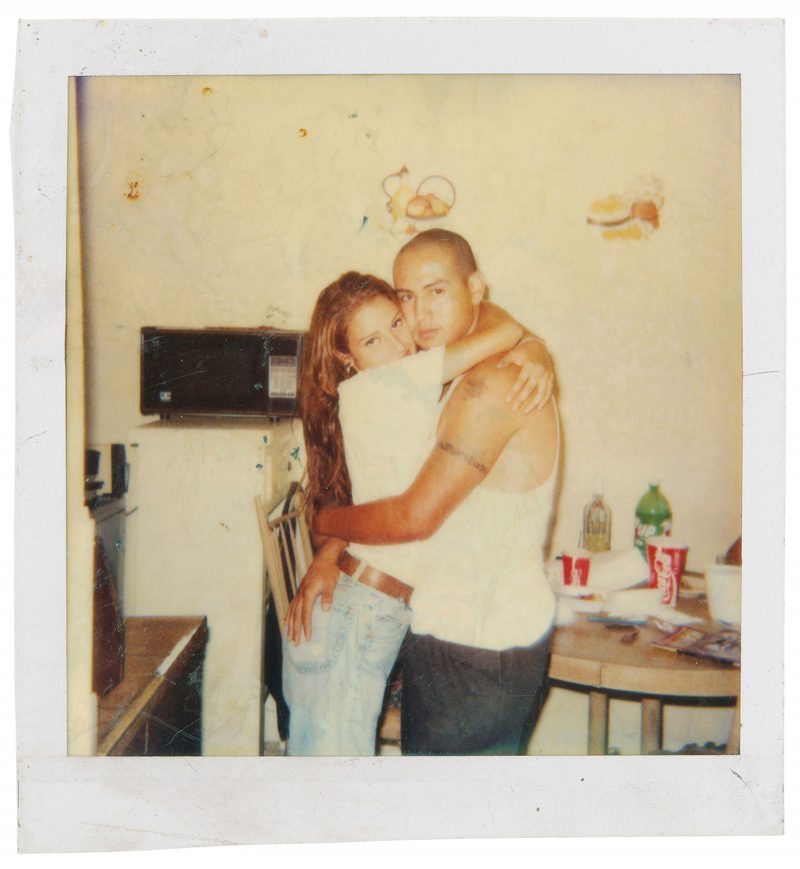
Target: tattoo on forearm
column 447, row 447
column 474, row 387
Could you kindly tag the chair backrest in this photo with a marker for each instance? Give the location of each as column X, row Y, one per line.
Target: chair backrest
column 287, row 547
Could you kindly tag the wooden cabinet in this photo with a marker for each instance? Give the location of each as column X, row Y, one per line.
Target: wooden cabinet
column 157, row 707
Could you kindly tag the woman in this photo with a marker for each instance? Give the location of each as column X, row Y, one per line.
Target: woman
column 360, row 361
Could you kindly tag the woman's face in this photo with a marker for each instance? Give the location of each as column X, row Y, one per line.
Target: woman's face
column 377, row 334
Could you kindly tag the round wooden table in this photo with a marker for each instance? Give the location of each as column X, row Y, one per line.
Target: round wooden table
column 591, row 657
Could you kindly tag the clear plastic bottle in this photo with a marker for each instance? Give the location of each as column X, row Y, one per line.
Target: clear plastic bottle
column 596, row 536
column 653, row 517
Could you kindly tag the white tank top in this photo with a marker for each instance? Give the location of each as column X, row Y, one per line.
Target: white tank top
column 483, row 583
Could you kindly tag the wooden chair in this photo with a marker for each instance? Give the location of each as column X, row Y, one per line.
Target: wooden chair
column 287, row 547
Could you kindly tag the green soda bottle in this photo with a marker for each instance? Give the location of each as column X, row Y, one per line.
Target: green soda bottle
column 653, row 517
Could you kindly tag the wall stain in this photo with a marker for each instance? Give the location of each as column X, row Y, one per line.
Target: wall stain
column 302, row 132
column 276, row 313
column 364, row 220
column 353, row 115
column 133, row 190
column 207, row 91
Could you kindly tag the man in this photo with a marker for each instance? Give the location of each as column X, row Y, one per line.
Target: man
column 475, row 661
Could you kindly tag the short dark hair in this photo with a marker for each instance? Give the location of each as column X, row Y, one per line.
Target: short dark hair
column 457, row 246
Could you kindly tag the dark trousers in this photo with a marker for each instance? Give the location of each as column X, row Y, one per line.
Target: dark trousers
column 462, row 700
column 273, row 670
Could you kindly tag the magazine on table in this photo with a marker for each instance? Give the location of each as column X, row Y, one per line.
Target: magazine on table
column 724, row 646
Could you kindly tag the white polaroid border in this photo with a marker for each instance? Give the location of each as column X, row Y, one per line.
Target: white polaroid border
column 71, row 803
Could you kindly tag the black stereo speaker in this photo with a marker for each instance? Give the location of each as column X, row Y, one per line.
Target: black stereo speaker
column 119, row 471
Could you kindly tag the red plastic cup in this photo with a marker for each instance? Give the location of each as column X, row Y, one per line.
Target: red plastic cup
column 667, row 560
column 576, row 567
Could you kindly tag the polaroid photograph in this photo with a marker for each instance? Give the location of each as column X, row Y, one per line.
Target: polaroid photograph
column 392, row 408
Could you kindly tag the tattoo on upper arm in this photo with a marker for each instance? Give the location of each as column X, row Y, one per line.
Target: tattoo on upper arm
column 450, row 448
column 474, row 387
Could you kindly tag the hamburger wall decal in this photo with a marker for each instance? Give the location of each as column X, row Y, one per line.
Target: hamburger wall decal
column 633, row 216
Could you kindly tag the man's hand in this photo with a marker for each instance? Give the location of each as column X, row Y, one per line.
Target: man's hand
column 536, row 380
column 319, row 581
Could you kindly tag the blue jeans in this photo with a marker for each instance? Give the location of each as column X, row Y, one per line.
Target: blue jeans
column 335, row 682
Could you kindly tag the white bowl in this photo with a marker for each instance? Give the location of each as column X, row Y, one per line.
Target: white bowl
column 724, row 593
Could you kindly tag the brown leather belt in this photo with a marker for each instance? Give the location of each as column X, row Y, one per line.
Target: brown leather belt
column 376, row 578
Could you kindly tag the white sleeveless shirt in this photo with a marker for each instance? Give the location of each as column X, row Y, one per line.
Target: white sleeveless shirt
column 482, row 581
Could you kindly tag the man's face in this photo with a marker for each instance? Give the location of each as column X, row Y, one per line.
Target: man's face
column 438, row 301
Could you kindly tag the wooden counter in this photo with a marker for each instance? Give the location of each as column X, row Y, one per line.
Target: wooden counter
column 157, row 708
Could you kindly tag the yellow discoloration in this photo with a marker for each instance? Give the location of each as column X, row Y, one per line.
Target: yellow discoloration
column 631, row 231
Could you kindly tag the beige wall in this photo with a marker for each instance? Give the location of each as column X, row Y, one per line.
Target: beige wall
column 237, row 219
column 240, row 220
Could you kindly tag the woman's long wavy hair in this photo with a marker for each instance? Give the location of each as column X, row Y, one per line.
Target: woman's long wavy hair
column 323, row 369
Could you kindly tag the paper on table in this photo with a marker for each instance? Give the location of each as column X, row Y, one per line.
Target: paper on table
column 634, row 601
column 564, row 613
column 566, row 607
column 673, row 617
column 645, row 602
column 609, row 571
column 617, row 569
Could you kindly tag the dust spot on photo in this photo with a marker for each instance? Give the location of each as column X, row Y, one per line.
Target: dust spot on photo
column 275, row 314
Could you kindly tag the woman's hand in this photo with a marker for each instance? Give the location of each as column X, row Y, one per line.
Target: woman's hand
column 320, row 581
column 534, row 385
